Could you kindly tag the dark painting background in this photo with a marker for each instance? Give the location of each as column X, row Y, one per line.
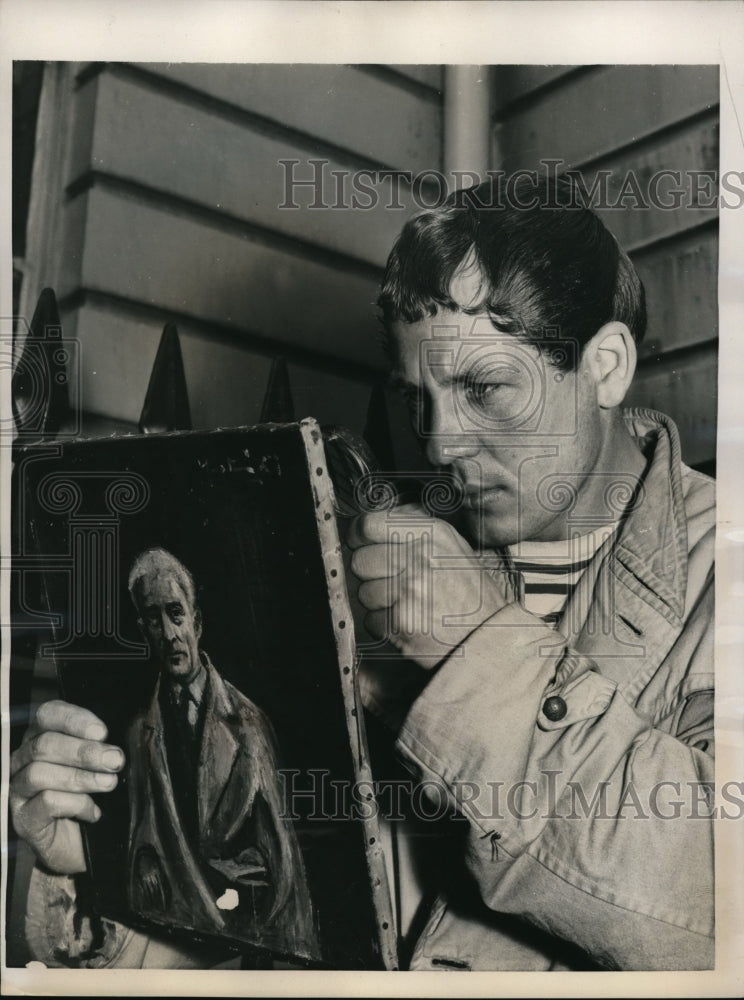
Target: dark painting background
column 238, row 511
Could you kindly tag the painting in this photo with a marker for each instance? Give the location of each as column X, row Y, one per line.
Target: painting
column 195, row 586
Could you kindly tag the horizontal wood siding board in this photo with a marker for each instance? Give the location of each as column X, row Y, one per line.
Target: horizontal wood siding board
column 171, row 148
column 649, row 202
column 176, row 264
column 636, row 146
column 601, row 111
column 681, row 285
column 428, row 75
column 115, row 361
column 685, row 389
column 226, row 381
column 330, row 398
column 404, row 81
column 220, row 221
column 338, row 104
column 87, row 71
column 73, row 227
column 512, row 84
column 144, row 313
column 84, row 127
column 662, row 240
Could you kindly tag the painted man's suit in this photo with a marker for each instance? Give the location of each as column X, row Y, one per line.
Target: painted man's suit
column 228, row 837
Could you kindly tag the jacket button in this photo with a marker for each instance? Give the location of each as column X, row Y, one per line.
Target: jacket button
column 554, row 708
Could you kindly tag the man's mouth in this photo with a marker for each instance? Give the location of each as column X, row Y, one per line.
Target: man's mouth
column 476, row 499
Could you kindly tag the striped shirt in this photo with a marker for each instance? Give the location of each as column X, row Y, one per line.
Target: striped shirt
column 551, row 570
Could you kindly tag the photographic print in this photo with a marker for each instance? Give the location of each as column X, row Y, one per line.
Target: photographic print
column 371, row 572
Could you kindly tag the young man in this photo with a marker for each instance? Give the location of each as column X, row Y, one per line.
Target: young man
column 565, row 623
column 572, row 727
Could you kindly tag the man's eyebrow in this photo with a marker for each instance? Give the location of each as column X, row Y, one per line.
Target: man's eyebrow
column 485, row 372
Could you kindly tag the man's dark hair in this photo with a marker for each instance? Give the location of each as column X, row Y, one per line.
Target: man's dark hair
column 547, row 266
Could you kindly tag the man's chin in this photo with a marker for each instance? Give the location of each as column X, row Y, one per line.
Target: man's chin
column 488, row 531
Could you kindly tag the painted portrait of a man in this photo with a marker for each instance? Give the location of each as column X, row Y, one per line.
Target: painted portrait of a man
column 208, row 846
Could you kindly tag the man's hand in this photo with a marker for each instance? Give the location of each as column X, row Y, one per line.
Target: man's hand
column 61, row 761
column 424, row 587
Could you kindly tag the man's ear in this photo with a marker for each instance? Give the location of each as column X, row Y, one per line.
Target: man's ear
column 197, row 622
column 610, row 357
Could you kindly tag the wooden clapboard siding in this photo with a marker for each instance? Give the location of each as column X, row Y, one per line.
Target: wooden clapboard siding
column 230, row 169
column 680, row 284
column 332, row 398
column 685, row 388
column 639, row 119
column 371, row 117
column 226, row 380
column 137, row 251
column 601, row 111
column 170, row 211
column 652, row 210
column 514, row 84
column 429, row 76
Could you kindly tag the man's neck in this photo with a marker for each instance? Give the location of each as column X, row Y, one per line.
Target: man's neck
column 611, row 484
column 196, row 684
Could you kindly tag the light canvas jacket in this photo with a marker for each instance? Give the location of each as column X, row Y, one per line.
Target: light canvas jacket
column 633, row 662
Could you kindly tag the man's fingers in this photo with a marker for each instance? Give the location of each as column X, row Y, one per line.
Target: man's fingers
column 52, row 805
column 62, row 717
column 374, row 562
column 57, row 748
column 40, row 776
column 377, row 594
column 380, row 626
column 374, row 528
column 368, row 529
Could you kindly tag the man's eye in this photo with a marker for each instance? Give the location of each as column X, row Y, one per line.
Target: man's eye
column 176, row 618
column 482, row 393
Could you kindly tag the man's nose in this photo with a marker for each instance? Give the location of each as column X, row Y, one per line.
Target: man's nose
column 169, row 630
column 445, row 437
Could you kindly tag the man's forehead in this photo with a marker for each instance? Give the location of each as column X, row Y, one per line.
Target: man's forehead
column 466, row 287
column 162, row 586
column 456, row 342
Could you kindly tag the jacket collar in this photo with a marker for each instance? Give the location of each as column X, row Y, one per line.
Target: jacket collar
column 652, row 544
column 627, row 609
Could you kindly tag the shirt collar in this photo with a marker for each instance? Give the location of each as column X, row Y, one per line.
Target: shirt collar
column 195, row 689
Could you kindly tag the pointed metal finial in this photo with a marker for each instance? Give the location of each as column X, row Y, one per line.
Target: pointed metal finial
column 166, row 405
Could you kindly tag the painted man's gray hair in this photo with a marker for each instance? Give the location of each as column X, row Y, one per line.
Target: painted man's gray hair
column 153, row 562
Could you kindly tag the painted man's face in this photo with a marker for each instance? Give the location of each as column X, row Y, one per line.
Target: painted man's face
column 171, row 625
column 521, row 437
